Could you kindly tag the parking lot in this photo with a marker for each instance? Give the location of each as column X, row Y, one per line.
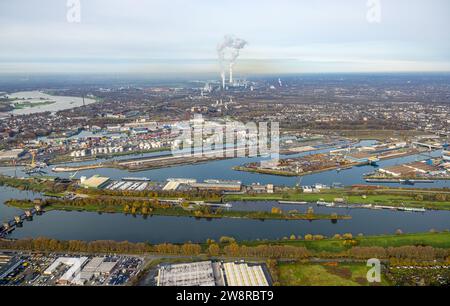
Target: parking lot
column 27, row 269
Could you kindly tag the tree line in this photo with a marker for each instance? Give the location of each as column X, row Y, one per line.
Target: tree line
column 229, row 249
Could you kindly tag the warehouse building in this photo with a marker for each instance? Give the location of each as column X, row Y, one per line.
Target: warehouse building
column 187, row 274
column 424, row 168
column 72, row 274
column 11, row 154
column 243, row 274
column 398, row 171
column 171, row 186
column 216, row 185
column 95, row 181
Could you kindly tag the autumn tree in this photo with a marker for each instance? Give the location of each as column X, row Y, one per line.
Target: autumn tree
column 213, row 249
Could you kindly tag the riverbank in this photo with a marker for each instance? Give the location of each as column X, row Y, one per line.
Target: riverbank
column 154, row 207
column 324, row 248
column 437, row 240
column 433, row 200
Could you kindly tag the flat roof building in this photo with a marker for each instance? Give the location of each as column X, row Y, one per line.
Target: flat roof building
column 187, row 274
column 398, row 171
column 70, row 276
column 242, row 274
column 95, row 181
column 218, row 186
column 11, row 154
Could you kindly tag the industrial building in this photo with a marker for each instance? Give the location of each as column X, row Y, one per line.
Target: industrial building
column 243, row 274
column 203, row 273
column 72, row 274
column 359, row 157
column 80, row 270
column 171, row 186
column 208, row 273
column 95, row 181
column 398, row 171
column 11, row 154
column 217, row 185
column 412, row 169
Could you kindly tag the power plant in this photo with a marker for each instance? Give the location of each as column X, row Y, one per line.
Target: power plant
column 228, row 52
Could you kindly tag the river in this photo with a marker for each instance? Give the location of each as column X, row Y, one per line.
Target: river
column 94, row 226
column 59, row 102
column 157, row 229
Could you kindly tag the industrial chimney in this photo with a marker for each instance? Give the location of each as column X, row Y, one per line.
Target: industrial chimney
column 223, row 79
column 231, row 74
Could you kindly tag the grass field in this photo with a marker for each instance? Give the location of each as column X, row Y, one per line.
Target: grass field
column 342, row 274
column 437, row 240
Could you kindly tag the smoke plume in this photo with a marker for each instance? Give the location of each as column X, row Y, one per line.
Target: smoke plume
column 232, row 46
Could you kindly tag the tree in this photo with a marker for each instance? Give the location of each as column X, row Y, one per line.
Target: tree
column 440, row 197
column 214, row 249
column 347, row 236
column 276, row 211
column 226, row 239
column 309, row 237
column 190, row 249
column 310, row 212
column 232, row 249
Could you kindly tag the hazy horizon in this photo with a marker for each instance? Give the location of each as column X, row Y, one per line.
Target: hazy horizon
column 176, row 38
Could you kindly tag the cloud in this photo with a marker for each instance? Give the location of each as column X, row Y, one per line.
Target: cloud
column 116, row 34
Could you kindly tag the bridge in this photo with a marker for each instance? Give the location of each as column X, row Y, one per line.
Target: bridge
column 9, row 226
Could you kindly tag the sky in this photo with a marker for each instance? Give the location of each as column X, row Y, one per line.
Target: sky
column 181, row 36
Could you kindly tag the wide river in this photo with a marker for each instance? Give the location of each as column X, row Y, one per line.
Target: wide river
column 59, row 102
column 94, row 226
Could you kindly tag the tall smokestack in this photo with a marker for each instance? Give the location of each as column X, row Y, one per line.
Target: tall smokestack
column 231, row 74
column 234, row 46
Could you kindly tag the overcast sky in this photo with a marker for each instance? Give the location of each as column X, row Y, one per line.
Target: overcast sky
column 169, row 36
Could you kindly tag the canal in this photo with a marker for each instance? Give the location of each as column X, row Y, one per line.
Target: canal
column 222, row 169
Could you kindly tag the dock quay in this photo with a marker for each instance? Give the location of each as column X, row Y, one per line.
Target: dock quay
column 399, row 181
column 218, row 205
column 370, row 206
column 136, row 179
column 292, row 203
column 184, row 159
column 409, row 209
column 77, row 168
